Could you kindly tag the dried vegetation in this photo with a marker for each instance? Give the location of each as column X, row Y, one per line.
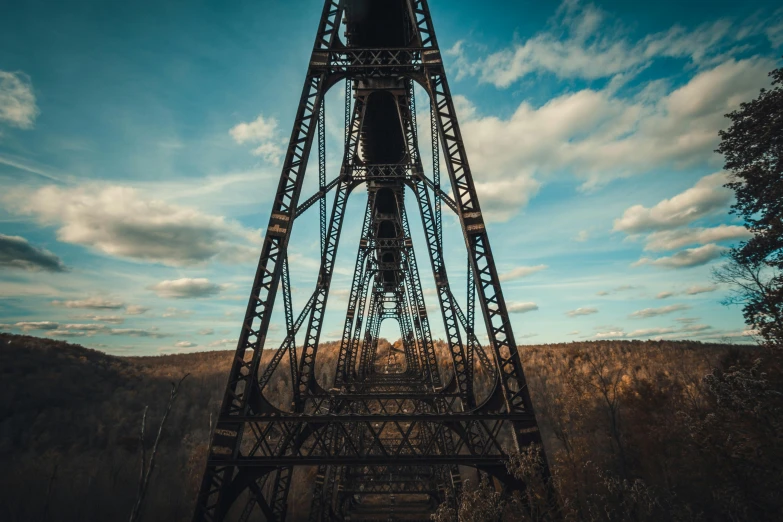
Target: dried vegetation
column 633, row 431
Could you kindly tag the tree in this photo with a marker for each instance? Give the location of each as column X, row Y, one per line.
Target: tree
column 479, row 504
column 759, row 289
column 753, row 151
column 147, row 467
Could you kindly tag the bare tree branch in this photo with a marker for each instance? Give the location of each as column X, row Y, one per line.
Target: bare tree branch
column 147, row 468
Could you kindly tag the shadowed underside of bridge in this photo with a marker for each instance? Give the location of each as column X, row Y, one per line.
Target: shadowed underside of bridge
column 390, row 440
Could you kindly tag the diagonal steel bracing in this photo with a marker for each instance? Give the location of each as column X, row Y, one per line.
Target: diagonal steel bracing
column 386, row 440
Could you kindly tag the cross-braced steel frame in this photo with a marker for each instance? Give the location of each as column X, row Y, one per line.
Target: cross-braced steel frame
column 392, row 436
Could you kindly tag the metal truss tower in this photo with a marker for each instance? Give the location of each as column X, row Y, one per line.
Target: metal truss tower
column 391, row 439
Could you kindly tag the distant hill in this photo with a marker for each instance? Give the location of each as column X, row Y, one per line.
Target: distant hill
column 78, row 410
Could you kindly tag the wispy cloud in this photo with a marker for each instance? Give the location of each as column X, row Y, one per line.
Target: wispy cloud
column 172, row 312
column 111, row 319
column 700, row 289
column 36, row 325
column 707, row 196
column 26, row 165
column 582, row 236
column 223, row 343
column 17, row 101
column 655, row 312
column 55, row 329
column 687, row 258
column 582, row 311
column 583, row 41
column 774, row 32
column 521, row 308
column 136, row 310
column 521, row 271
column 137, row 332
column 617, row 289
column 186, row 287
column 691, row 290
column 667, row 224
column 674, row 239
column 66, row 333
column 92, row 303
column 262, row 133
column 689, row 331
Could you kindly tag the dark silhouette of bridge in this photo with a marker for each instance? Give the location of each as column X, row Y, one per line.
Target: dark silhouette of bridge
column 391, row 438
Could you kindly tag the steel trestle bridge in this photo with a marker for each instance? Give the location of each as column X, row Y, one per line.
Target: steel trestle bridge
column 392, row 438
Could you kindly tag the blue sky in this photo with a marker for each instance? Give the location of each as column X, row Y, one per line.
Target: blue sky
column 140, row 145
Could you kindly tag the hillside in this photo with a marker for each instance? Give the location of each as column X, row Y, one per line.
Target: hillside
column 622, row 409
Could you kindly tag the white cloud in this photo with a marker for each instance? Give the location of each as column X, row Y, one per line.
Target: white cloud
column 136, row 332
column 65, row 333
column 686, row 320
column 521, row 271
column 700, row 289
column 598, row 136
column 582, row 311
column 122, row 222
column 650, row 332
column 135, row 310
column 92, row 303
column 258, row 130
column 674, row 239
column 707, row 196
column 206, row 331
column 666, row 225
column 612, row 334
column 186, row 288
column 655, row 312
column 583, row 41
column 521, row 308
column 657, row 333
column 176, row 312
column 664, row 295
column 184, row 344
column 727, row 335
column 85, row 327
column 54, row 329
column 17, row 252
column 111, row 319
column 17, row 101
column 693, row 328
column 223, row 343
column 80, row 330
column 582, row 236
column 26, row 326
column 262, row 132
column 621, row 288
column 687, row 258
column 502, row 198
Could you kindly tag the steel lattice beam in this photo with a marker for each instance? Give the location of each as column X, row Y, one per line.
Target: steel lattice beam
column 389, row 437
